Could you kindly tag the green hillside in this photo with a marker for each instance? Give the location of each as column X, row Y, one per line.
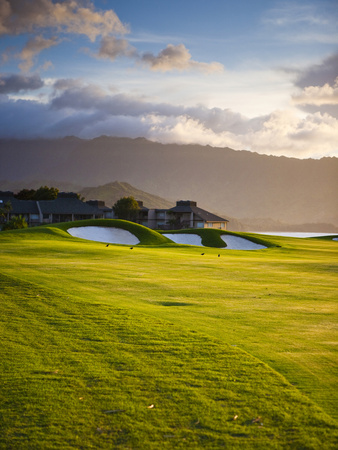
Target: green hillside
column 160, row 347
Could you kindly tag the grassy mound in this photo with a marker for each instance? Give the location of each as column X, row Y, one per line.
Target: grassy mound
column 145, row 235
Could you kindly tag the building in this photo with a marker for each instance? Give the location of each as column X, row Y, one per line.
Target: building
column 66, row 207
column 186, row 214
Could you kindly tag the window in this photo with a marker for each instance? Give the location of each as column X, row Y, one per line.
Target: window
column 210, row 224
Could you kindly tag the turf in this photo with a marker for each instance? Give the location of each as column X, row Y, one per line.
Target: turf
column 161, row 347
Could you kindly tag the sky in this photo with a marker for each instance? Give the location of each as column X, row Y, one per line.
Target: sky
column 250, row 75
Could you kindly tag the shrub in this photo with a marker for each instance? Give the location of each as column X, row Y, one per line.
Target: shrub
column 15, row 223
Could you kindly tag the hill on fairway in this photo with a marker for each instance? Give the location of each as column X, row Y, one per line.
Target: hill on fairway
column 158, row 346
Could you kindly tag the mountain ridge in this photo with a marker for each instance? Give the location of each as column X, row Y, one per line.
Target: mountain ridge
column 241, row 183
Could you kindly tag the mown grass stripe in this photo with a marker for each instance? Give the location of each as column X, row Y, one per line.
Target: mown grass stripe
column 81, row 374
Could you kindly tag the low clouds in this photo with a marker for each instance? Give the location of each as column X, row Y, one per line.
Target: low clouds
column 318, row 95
column 12, row 83
column 87, row 111
column 317, row 87
column 177, row 57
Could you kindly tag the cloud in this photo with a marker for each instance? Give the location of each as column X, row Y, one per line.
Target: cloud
column 318, row 95
column 177, row 57
column 32, row 48
column 26, row 16
column 317, row 87
column 72, row 17
column 13, row 83
column 46, row 17
column 88, row 111
column 112, row 47
column 291, row 13
column 304, row 23
column 67, row 83
column 319, row 74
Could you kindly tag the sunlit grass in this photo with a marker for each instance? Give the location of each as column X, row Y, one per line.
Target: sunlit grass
column 93, row 336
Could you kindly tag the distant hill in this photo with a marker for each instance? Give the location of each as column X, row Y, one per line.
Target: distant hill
column 111, row 192
column 238, row 184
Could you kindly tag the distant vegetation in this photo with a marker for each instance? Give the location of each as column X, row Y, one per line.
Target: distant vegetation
column 126, row 208
column 43, row 193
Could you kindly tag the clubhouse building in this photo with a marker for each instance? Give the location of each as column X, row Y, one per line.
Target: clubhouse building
column 67, row 207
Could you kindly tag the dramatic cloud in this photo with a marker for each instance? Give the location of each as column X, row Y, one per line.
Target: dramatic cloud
column 72, row 17
column 177, row 57
column 112, row 48
column 22, row 16
column 88, row 111
column 46, row 16
column 32, row 48
column 319, row 74
column 10, row 84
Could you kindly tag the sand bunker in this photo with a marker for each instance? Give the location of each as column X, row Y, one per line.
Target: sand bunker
column 335, row 239
column 232, row 242
column 182, row 238
column 238, row 243
column 104, row 234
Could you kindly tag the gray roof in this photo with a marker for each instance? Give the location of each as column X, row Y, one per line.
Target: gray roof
column 67, row 206
column 20, row 206
column 57, row 206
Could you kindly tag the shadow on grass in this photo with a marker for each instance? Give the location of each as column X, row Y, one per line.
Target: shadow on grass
column 175, row 303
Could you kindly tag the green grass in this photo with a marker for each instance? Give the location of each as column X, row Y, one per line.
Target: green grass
column 92, row 336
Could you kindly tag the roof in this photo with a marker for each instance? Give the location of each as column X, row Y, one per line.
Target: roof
column 67, row 206
column 199, row 212
column 20, row 206
column 70, row 205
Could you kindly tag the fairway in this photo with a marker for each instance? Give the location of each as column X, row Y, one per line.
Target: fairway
column 158, row 346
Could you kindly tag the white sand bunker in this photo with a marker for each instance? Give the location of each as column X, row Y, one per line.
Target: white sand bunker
column 182, row 238
column 238, row 243
column 104, row 234
column 335, row 239
column 232, row 242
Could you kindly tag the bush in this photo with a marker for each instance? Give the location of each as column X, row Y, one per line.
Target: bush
column 15, row 223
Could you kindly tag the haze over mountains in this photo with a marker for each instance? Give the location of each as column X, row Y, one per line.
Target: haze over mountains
column 111, row 192
column 233, row 183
